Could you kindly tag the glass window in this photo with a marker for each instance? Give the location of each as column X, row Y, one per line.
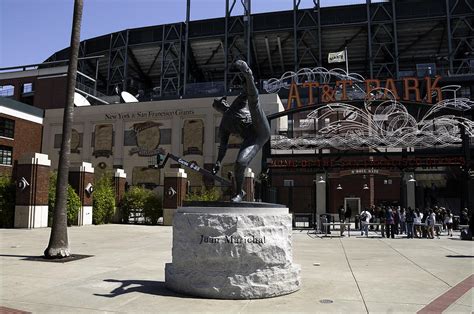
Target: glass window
column 6, row 155
column 7, row 127
column 7, row 90
column 27, row 88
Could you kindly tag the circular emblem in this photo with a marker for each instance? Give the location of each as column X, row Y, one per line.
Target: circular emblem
column 171, row 192
column 148, row 136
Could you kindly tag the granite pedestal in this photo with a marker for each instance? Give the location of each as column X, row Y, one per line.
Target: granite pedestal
column 232, row 251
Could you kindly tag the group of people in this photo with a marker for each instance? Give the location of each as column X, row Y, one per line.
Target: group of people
column 413, row 223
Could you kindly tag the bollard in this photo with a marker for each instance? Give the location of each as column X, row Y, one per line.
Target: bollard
column 173, row 194
column 32, row 177
column 81, row 178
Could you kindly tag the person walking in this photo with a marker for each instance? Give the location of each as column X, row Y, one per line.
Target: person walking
column 389, row 223
column 342, row 218
column 402, row 215
column 365, row 217
column 382, row 220
column 417, row 223
column 377, row 217
column 348, row 214
column 464, row 219
column 410, row 220
column 448, row 221
column 396, row 219
column 424, row 224
column 342, row 213
column 430, row 222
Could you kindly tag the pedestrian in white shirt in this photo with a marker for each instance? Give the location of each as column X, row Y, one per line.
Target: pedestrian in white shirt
column 365, row 217
column 448, row 220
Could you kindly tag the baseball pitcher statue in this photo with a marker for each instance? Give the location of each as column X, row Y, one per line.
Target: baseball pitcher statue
column 244, row 117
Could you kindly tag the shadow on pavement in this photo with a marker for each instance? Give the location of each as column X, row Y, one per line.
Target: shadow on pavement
column 460, row 256
column 42, row 258
column 141, row 286
column 12, row 255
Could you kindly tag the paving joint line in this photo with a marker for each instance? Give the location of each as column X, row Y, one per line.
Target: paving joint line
column 353, row 276
column 401, row 254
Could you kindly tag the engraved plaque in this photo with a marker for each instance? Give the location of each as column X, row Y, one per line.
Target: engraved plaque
column 103, row 140
column 75, row 141
column 193, row 135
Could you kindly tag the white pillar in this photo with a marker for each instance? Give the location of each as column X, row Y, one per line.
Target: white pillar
column 321, row 206
column 411, row 185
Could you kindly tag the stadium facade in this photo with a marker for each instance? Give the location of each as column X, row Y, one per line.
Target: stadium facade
column 420, row 51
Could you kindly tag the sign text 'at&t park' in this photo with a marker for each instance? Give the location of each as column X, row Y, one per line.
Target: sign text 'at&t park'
column 409, row 88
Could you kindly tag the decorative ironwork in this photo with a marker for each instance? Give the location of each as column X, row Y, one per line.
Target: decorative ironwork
column 381, row 124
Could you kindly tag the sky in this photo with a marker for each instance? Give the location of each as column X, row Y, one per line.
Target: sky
column 32, row 30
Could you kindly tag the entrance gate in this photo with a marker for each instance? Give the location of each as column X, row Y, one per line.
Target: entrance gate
column 354, row 204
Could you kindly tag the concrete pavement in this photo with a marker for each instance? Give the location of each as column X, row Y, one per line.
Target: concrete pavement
column 126, row 274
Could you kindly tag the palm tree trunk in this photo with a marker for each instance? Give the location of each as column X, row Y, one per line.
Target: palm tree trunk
column 58, row 246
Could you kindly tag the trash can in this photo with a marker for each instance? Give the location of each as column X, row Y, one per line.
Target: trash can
column 357, row 220
column 323, row 218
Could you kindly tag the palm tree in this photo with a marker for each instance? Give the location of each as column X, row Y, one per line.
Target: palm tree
column 58, row 246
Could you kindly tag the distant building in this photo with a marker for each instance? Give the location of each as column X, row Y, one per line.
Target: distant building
column 21, row 128
column 43, row 88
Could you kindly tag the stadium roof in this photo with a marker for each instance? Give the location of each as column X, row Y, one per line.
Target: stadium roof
column 153, row 57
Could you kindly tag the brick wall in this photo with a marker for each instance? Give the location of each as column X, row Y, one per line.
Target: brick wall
column 35, row 194
column 27, row 140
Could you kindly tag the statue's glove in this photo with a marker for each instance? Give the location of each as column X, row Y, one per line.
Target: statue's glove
column 216, row 167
